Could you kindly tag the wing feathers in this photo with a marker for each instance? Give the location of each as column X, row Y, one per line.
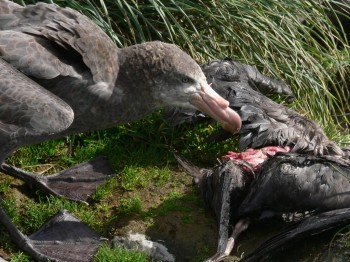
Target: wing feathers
column 69, row 29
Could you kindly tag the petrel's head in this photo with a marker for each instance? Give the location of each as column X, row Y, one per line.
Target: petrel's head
column 177, row 80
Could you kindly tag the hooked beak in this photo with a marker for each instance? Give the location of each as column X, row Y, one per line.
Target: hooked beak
column 212, row 104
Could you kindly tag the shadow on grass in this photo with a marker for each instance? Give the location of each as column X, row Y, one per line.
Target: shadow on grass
column 171, row 213
column 180, row 224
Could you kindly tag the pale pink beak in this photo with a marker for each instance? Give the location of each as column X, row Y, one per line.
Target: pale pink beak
column 212, row 104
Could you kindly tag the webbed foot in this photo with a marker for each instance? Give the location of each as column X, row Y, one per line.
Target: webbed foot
column 77, row 183
column 62, row 238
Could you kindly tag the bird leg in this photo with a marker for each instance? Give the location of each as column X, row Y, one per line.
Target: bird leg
column 240, row 226
column 62, row 238
column 77, row 183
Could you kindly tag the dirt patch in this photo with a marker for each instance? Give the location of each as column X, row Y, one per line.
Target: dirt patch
column 4, row 254
column 181, row 223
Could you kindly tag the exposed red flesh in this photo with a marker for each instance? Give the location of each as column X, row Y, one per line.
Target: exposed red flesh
column 255, row 157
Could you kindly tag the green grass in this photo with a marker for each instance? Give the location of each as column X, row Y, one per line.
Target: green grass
column 173, row 202
column 20, row 257
column 265, row 33
column 130, row 205
column 119, row 254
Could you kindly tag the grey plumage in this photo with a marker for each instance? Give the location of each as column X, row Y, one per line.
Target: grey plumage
column 286, row 183
column 308, row 228
column 231, row 71
column 264, row 122
column 298, row 183
column 61, row 74
column 75, row 66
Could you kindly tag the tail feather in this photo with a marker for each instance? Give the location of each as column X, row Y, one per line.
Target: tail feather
column 196, row 172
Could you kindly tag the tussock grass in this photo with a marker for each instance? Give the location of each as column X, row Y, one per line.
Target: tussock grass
column 292, row 40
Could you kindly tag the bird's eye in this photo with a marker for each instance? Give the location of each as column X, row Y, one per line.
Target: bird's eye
column 185, row 80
